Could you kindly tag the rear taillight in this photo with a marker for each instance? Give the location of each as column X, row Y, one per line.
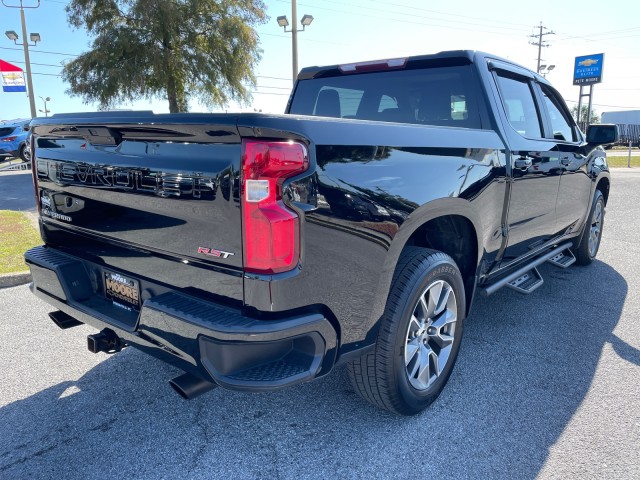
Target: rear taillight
column 8, row 139
column 270, row 230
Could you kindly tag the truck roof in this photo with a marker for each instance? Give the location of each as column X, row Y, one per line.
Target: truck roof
column 450, row 57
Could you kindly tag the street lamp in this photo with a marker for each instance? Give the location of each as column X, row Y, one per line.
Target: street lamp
column 46, row 111
column 35, row 38
column 545, row 69
column 284, row 23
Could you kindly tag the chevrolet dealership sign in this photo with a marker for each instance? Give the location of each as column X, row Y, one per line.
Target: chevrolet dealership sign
column 588, row 69
column 12, row 77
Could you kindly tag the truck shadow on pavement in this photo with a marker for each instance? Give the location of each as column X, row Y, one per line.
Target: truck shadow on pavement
column 525, row 366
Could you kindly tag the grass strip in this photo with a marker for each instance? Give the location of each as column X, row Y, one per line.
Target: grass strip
column 622, row 160
column 17, row 235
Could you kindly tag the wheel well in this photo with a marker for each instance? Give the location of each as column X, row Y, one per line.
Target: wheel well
column 603, row 186
column 455, row 236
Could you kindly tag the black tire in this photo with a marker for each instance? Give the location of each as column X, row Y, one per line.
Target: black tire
column 23, row 153
column 591, row 237
column 383, row 376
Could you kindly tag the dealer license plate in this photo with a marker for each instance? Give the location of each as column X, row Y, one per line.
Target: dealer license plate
column 122, row 291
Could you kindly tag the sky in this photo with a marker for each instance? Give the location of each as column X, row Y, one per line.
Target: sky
column 346, row 31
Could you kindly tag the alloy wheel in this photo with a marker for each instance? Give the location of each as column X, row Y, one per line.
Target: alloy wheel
column 430, row 334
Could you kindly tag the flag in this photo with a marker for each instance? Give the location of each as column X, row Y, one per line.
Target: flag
column 12, row 78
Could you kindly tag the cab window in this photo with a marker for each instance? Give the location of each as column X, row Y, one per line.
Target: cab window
column 562, row 128
column 519, row 104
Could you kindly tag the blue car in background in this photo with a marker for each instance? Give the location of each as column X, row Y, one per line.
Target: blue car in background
column 13, row 139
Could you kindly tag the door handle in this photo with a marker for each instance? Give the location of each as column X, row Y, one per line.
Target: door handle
column 523, row 163
column 566, row 161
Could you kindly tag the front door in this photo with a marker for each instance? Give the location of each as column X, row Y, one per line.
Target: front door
column 573, row 203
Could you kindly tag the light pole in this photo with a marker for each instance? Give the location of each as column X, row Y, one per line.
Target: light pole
column 35, row 38
column 284, row 23
column 46, row 111
column 544, row 69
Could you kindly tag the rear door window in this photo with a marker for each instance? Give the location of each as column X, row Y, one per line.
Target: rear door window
column 442, row 96
column 519, row 104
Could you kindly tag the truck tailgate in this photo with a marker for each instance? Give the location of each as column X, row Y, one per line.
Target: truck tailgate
column 145, row 197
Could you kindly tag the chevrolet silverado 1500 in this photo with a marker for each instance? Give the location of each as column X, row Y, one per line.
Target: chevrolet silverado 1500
column 259, row 251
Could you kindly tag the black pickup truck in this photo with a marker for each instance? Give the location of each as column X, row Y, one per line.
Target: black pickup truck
column 259, row 251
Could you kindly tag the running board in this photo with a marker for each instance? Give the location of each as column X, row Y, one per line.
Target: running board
column 563, row 259
column 525, row 270
column 527, row 282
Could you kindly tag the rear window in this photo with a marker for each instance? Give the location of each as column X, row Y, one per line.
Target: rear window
column 443, row 96
column 4, row 131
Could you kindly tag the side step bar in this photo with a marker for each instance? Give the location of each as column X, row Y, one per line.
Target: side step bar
column 533, row 280
column 563, row 259
column 527, row 282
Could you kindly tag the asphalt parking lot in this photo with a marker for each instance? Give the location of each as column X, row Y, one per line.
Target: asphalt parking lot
column 16, row 191
column 546, row 386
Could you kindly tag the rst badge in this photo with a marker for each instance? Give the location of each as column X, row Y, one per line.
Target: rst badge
column 212, row 252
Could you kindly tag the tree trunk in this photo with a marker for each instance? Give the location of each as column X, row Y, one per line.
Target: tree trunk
column 175, row 87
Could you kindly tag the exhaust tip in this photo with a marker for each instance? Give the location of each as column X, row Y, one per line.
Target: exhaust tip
column 189, row 386
column 63, row 320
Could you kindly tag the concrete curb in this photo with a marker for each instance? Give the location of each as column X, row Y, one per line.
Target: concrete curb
column 14, row 279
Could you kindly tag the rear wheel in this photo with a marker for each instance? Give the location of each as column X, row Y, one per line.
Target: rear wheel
column 589, row 244
column 23, row 153
column 419, row 335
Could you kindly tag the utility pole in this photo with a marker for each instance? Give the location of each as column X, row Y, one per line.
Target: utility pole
column 35, row 38
column 539, row 42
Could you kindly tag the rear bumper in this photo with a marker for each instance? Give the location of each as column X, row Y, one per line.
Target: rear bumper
column 8, row 152
column 207, row 339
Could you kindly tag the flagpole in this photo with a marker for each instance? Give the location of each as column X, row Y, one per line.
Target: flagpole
column 25, row 46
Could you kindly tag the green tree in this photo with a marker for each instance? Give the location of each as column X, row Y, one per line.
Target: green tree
column 595, row 118
column 173, row 49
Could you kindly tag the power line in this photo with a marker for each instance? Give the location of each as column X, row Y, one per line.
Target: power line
column 42, row 51
column 267, row 86
column 608, row 106
column 269, row 93
column 33, row 63
column 413, row 15
column 590, row 38
column 403, row 21
column 273, row 78
column 455, row 15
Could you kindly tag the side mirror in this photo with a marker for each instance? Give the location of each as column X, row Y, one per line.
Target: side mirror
column 602, row 134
